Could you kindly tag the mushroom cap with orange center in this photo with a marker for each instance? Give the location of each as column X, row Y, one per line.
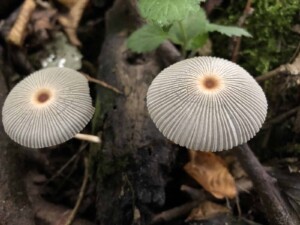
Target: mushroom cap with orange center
column 206, row 103
column 47, row 108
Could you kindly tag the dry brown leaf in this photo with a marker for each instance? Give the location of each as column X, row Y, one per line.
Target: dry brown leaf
column 17, row 33
column 71, row 20
column 210, row 171
column 67, row 3
column 206, row 210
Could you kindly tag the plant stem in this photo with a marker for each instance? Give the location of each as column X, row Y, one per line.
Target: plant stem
column 184, row 44
column 275, row 207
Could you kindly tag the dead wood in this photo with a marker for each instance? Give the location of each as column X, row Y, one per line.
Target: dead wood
column 275, row 207
column 128, row 131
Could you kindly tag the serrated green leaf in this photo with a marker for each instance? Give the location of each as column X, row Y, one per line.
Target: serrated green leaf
column 228, row 30
column 146, row 38
column 166, row 12
column 188, row 28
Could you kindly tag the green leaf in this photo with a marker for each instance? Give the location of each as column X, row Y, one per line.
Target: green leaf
column 228, row 30
column 197, row 42
column 146, row 38
column 166, row 12
column 194, row 24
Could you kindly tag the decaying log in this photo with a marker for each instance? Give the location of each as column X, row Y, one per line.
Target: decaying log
column 129, row 136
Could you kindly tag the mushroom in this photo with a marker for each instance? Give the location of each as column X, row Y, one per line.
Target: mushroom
column 212, row 104
column 47, row 108
column 206, row 103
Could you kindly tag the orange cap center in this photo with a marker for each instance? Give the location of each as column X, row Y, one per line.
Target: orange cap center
column 43, row 97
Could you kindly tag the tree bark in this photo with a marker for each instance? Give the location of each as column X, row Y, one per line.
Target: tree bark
column 15, row 208
column 134, row 160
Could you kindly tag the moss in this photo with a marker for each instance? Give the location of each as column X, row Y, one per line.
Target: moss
column 273, row 42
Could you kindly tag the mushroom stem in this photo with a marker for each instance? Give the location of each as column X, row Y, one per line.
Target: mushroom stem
column 88, row 137
column 276, row 209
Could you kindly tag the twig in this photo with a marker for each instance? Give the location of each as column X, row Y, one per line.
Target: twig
column 197, row 195
column 293, row 69
column 247, row 12
column 282, row 117
column 67, row 164
column 271, row 74
column 194, row 193
column 276, row 209
column 81, row 192
column 102, row 83
column 174, row 213
column 209, row 6
column 238, row 206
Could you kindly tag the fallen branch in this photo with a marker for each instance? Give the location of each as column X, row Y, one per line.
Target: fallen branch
column 291, row 69
column 276, row 209
column 174, row 213
column 281, row 117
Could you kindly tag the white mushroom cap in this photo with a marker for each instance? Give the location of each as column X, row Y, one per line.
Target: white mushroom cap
column 206, row 103
column 47, row 108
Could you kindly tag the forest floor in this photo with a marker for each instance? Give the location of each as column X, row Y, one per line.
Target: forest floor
column 135, row 175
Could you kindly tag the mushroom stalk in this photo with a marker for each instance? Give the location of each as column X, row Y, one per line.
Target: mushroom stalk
column 88, row 137
column 277, row 210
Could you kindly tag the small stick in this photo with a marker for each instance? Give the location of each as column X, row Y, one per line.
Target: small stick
column 247, row 12
column 282, row 117
column 175, row 212
column 88, row 137
column 59, row 172
column 238, row 206
column 270, row 74
column 102, row 83
column 293, row 68
column 194, row 193
column 81, row 193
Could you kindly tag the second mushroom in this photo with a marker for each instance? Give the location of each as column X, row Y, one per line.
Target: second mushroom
column 207, row 103
column 48, row 107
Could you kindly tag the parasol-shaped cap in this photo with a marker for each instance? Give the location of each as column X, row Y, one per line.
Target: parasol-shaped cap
column 47, row 108
column 206, row 103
